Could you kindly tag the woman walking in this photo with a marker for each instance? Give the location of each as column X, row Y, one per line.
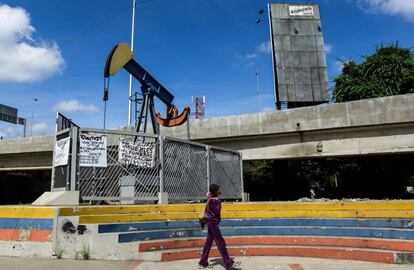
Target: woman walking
column 213, row 217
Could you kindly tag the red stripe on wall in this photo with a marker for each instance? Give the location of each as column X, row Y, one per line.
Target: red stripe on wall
column 26, row 235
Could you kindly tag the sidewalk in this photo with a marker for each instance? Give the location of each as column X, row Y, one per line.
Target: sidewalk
column 248, row 263
column 277, row 263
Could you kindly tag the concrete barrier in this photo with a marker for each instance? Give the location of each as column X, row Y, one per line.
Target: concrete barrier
column 381, row 231
column 26, row 231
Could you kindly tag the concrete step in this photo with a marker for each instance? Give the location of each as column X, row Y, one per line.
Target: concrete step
column 128, row 209
column 371, row 255
column 372, row 243
column 117, row 214
column 387, row 233
column 184, row 215
column 281, row 222
column 359, row 206
column 137, row 217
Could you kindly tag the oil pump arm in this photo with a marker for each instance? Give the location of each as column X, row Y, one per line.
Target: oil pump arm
column 121, row 57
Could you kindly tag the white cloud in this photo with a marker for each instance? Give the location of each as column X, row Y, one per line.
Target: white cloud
column 268, row 109
column 13, row 131
column 39, row 128
column 23, row 59
column 328, row 48
column 10, row 131
column 403, row 8
column 74, row 106
column 262, row 48
column 251, row 55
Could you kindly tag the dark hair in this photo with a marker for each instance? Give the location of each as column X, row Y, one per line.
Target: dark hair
column 213, row 188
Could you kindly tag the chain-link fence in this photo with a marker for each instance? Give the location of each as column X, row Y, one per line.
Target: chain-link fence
column 127, row 166
column 225, row 171
column 124, row 177
column 185, row 169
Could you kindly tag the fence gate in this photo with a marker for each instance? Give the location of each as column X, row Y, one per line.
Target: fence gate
column 185, row 169
column 225, row 171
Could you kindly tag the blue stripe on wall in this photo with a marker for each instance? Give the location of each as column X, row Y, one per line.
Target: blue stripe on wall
column 299, row 231
column 142, row 226
column 25, row 223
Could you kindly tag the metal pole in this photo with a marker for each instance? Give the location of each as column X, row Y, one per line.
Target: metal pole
column 208, row 167
column 104, row 124
column 241, row 173
column 74, row 158
column 24, row 128
column 68, row 169
column 258, row 90
column 130, row 76
column 161, row 156
column 188, row 127
column 31, row 124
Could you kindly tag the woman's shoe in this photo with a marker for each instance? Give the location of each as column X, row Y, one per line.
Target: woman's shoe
column 205, row 267
column 235, row 265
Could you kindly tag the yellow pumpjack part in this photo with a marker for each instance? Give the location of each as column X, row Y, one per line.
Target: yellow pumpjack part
column 118, row 59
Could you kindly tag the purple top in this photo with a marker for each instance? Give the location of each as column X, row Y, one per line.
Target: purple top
column 213, row 208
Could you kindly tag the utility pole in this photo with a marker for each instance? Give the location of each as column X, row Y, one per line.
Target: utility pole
column 33, row 108
column 130, row 76
column 258, row 90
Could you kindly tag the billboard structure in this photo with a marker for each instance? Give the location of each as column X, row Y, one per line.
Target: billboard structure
column 9, row 114
column 299, row 63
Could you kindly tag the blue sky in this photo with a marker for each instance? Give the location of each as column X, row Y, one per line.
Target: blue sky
column 55, row 51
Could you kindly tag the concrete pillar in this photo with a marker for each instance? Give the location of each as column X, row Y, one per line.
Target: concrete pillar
column 163, row 198
column 245, row 197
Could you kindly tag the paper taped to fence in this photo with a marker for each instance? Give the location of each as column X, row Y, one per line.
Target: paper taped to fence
column 139, row 154
column 92, row 151
column 62, row 152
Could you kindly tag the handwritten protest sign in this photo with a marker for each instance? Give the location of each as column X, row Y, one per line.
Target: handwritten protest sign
column 62, row 152
column 139, row 154
column 92, row 151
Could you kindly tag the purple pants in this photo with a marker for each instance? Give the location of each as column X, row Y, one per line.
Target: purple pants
column 214, row 233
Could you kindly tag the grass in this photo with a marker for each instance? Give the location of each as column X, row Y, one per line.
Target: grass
column 85, row 252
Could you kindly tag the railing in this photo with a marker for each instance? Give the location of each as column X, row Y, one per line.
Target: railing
column 125, row 166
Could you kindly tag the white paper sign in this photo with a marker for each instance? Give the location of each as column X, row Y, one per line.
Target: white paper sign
column 62, row 152
column 301, row 11
column 92, row 151
column 138, row 154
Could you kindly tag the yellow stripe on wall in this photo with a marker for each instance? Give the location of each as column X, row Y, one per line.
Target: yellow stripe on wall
column 327, row 206
column 108, row 210
column 274, row 206
column 317, row 214
column 26, row 212
column 245, row 215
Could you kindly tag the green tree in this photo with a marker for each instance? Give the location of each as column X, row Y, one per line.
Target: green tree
column 389, row 71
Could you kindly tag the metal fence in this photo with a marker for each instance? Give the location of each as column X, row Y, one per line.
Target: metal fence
column 183, row 169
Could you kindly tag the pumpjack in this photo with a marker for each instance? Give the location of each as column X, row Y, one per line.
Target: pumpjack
column 121, row 57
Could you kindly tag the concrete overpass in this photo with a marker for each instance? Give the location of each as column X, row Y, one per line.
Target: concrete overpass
column 365, row 127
